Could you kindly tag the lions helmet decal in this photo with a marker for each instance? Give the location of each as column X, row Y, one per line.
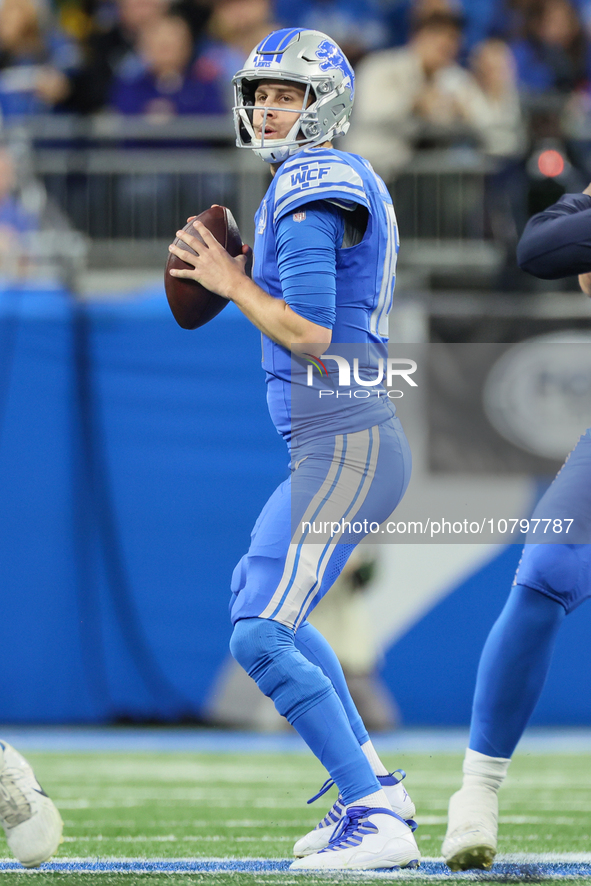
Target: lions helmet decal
column 333, row 57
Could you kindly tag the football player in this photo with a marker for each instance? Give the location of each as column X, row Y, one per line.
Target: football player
column 324, row 267
column 31, row 822
column 551, row 581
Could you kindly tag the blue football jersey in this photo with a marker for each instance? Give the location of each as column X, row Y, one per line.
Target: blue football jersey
column 365, row 278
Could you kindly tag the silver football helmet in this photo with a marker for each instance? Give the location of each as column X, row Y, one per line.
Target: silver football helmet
column 312, row 60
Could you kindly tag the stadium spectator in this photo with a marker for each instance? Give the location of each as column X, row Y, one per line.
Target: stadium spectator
column 165, row 81
column 111, row 49
column 480, row 17
column 358, row 25
column 36, row 59
column 493, row 109
column 509, row 17
column 240, row 23
column 553, row 54
column 491, row 102
column 168, row 82
column 234, row 27
column 403, row 94
column 15, row 220
column 196, row 13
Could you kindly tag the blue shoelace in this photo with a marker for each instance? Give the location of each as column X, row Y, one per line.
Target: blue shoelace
column 352, row 828
column 335, row 813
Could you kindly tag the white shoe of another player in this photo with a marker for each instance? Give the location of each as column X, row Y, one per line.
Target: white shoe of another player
column 31, row 822
column 366, row 839
column 471, row 839
column 319, row 838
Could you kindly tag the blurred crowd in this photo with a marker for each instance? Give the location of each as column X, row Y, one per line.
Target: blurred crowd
column 498, row 75
column 421, row 63
column 509, row 79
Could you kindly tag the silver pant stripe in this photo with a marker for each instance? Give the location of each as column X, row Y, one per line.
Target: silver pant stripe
column 307, row 561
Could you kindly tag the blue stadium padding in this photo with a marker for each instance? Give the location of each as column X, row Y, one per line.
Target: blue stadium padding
column 41, row 661
column 437, row 687
column 134, row 459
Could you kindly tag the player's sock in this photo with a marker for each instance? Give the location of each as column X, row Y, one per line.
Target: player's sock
column 306, row 697
column 374, row 761
column 481, row 770
column 376, row 800
column 512, row 670
column 313, row 645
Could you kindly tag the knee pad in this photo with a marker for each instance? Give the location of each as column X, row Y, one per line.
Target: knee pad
column 559, row 571
column 256, row 640
column 267, row 652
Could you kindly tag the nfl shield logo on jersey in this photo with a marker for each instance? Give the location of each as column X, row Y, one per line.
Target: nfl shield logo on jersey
column 299, row 216
column 262, row 223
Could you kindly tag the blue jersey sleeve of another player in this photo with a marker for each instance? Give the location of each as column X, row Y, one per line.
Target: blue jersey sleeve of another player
column 317, row 175
column 306, row 243
column 557, row 242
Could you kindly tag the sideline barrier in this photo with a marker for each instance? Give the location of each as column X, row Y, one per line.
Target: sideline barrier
column 134, row 459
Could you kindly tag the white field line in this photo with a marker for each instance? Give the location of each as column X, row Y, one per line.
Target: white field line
column 503, row 858
column 172, row 838
column 219, row 803
column 98, row 824
column 505, row 819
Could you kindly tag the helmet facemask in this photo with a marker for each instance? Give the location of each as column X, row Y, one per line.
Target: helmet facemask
column 304, row 132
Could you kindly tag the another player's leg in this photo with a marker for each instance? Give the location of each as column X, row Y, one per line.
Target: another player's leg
column 511, row 675
column 551, row 581
column 31, row 822
column 319, row 652
column 370, row 834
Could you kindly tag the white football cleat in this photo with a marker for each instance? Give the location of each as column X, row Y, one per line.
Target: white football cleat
column 31, row 822
column 320, row 837
column 367, row 838
column 471, row 839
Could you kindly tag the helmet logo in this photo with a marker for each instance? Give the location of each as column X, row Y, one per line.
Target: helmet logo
column 334, row 58
column 262, row 61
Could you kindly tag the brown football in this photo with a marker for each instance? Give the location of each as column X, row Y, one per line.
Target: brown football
column 191, row 304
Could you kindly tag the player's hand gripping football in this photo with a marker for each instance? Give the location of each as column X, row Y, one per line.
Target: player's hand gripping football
column 213, row 267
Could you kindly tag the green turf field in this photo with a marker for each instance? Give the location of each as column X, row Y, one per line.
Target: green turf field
column 254, row 806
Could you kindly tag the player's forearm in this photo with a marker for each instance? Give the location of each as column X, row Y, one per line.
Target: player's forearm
column 277, row 320
column 556, row 242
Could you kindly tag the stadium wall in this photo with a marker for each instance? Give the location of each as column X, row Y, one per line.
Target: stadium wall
column 134, row 459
